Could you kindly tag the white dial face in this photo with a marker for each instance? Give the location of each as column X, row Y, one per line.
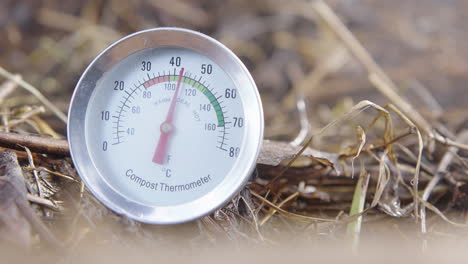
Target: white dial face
column 164, row 126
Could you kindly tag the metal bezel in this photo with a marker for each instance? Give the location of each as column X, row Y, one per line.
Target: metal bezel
column 243, row 167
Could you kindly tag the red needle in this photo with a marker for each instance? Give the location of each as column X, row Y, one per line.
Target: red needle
column 167, row 127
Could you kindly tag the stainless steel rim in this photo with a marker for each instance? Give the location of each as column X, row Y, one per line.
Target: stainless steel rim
column 242, row 168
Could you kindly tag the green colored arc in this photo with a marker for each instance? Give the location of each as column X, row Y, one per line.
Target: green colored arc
column 203, row 89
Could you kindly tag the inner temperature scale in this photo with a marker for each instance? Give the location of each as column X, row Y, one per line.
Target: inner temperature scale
column 165, row 125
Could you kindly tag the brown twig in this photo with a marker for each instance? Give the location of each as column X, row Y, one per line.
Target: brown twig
column 35, row 143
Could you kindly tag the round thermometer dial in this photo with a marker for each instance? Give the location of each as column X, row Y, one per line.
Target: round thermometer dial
column 165, row 125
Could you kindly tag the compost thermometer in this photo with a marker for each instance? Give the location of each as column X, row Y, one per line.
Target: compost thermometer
column 165, row 125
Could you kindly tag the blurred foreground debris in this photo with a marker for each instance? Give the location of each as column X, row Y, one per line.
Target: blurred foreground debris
column 17, row 216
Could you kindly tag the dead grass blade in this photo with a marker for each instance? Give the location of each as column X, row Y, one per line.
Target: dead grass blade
column 33, row 90
column 387, row 87
column 362, row 142
column 42, row 201
column 289, row 214
column 415, row 181
column 58, row 174
column 383, row 179
column 36, row 175
column 355, row 110
column 8, row 87
column 303, row 120
column 441, row 169
column 26, row 115
column 442, row 215
column 273, row 211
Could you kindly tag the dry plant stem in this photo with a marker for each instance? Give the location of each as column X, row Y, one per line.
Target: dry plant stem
column 36, row 175
column 25, row 116
column 273, row 211
column 362, row 142
column 304, row 121
column 262, row 204
column 35, row 92
column 32, row 125
column 5, row 118
column 42, row 201
column 449, row 142
column 356, row 48
column 251, row 207
column 415, row 181
column 439, row 213
column 413, row 157
column 384, row 177
column 381, row 84
column 35, row 143
column 22, row 155
column 68, row 177
column 441, row 169
column 8, row 87
column 355, row 110
column 436, row 110
column 414, row 128
column 378, row 147
column 44, row 128
column 389, row 90
column 286, row 213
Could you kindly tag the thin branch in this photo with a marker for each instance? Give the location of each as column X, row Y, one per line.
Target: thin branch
column 35, row 143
